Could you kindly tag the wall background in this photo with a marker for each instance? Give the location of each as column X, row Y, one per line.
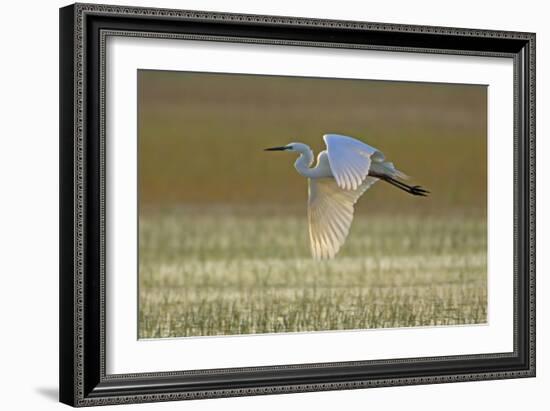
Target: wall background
column 29, row 210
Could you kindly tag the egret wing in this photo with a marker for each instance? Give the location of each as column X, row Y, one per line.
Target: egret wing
column 350, row 159
column 330, row 213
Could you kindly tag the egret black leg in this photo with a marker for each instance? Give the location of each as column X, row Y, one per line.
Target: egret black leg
column 414, row 190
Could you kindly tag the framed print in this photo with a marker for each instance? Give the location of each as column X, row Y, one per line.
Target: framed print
column 261, row 204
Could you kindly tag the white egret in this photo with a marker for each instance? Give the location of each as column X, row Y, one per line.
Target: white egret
column 344, row 171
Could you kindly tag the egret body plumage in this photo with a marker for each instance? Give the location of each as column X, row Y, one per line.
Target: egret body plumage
column 344, row 171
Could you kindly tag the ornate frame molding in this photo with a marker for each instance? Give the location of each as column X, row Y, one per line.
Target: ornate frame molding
column 82, row 336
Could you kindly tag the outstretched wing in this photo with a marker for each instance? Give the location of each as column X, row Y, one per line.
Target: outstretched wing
column 330, row 213
column 350, row 159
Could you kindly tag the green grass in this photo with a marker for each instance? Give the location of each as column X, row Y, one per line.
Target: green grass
column 230, row 270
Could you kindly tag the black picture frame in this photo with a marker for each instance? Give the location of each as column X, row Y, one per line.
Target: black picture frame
column 83, row 29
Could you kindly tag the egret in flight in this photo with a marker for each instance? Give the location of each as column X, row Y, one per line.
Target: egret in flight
column 344, row 171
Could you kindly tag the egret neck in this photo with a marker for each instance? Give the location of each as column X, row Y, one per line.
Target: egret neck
column 305, row 160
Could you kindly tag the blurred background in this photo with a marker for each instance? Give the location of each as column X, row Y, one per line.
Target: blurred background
column 224, row 247
column 201, row 138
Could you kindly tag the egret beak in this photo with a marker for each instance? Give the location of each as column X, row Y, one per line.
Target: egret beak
column 277, row 148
